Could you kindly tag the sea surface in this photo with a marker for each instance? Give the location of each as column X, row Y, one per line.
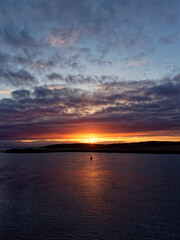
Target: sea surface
column 69, row 196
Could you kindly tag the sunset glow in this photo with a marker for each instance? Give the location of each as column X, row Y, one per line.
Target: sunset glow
column 105, row 72
column 100, row 139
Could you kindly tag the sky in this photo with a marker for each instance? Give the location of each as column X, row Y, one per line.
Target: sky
column 89, row 71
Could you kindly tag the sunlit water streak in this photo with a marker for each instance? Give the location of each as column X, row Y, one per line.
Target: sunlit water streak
column 68, row 196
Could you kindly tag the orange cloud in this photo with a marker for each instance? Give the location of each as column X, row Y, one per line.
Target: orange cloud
column 4, row 91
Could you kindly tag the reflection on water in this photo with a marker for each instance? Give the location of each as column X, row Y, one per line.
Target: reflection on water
column 68, row 196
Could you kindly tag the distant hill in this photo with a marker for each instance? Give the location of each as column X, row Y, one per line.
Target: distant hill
column 141, row 147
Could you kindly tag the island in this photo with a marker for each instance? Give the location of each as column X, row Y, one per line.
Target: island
column 140, row 147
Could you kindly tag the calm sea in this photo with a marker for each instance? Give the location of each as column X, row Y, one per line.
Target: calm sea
column 69, row 196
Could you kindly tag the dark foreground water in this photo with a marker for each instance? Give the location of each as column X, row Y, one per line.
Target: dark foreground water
column 68, row 196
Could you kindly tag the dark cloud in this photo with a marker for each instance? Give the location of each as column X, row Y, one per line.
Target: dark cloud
column 21, row 94
column 4, row 57
column 82, row 79
column 16, row 78
column 55, row 76
column 128, row 107
column 18, row 39
column 33, row 63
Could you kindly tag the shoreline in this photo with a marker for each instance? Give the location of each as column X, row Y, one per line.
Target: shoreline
column 142, row 147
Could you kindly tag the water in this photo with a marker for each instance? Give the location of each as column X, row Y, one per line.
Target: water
column 68, row 196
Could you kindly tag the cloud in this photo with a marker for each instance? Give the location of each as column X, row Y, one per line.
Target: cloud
column 62, row 37
column 16, row 78
column 80, row 35
column 121, row 106
column 137, row 63
column 81, row 79
column 21, row 39
column 5, row 91
column 136, row 60
column 168, row 40
column 21, row 94
column 55, row 76
column 38, row 64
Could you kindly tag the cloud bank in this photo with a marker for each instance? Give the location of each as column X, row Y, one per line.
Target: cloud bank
column 145, row 106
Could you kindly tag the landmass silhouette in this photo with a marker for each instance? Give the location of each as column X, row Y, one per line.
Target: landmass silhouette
column 141, row 147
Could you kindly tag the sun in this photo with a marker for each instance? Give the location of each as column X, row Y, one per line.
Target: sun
column 92, row 140
column 89, row 138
